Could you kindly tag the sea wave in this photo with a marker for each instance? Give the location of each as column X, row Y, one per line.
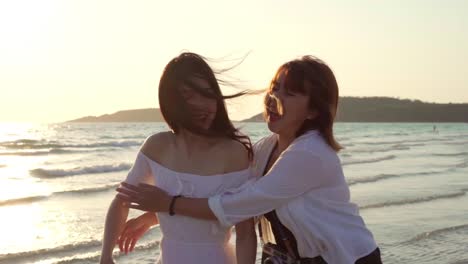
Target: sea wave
column 24, row 153
column 88, row 190
column 397, row 134
column 458, row 143
column 407, row 141
column 46, row 144
column 415, row 200
column 463, row 164
column 445, row 245
column 393, row 142
column 381, row 149
column 23, row 200
column 56, row 173
column 384, row 176
column 45, row 252
column 463, row 261
column 35, row 198
column 464, row 153
column 373, row 178
column 94, row 256
column 41, row 152
column 436, row 232
column 86, row 251
column 410, row 145
column 389, row 157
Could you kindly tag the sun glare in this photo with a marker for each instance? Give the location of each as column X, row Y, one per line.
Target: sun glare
column 16, row 183
column 20, row 226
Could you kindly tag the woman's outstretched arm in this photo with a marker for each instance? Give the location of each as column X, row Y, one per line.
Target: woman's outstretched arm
column 115, row 221
column 294, row 173
column 153, row 199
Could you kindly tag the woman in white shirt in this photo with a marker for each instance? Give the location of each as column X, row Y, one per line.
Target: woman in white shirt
column 300, row 178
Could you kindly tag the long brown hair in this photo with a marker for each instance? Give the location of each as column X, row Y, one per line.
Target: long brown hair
column 311, row 76
column 181, row 70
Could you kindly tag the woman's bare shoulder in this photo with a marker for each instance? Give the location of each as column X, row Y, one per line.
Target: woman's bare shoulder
column 157, row 143
column 236, row 154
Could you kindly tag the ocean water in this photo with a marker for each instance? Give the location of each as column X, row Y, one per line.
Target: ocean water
column 57, row 180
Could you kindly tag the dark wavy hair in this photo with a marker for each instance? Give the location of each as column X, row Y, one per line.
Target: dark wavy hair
column 181, row 70
column 311, row 76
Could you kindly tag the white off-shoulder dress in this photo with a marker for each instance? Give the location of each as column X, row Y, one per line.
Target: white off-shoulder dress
column 185, row 239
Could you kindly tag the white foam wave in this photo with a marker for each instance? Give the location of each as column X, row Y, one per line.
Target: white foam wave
column 22, row 200
column 45, row 144
column 436, row 232
column 463, row 164
column 458, row 143
column 31, row 199
column 389, row 176
column 464, row 153
column 50, row 251
column 416, row 200
column 379, row 149
column 406, row 142
column 389, row 157
column 373, row 178
column 89, row 190
column 87, row 251
column 54, row 173
column 40, row 152
column 94, row 257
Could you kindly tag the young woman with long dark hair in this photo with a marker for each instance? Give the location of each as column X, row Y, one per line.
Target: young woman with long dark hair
column 203, row 155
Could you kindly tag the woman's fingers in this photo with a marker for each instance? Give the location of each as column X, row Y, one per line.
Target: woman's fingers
column 127, row 244
column 147, row 186
column 126, row 191
column 130, row 235
column 132, row 245
column 125, row 197
column 130, row 186
column 124, row 235
column 138, row 207
column 121, row 244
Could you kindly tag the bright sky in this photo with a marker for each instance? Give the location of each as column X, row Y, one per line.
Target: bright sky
column 64, row 59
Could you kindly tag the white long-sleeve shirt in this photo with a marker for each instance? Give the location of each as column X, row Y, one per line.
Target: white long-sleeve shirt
column 307, row 188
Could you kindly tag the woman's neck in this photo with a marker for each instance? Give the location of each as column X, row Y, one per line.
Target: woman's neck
column 282, row 143
column 192, row 142
column 284, row 140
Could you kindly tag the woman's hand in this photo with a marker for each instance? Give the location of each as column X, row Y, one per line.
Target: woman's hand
column 134, row 229
column 152, row 199
column 144, row 197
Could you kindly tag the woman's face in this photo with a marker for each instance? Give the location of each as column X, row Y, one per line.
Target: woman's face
column 285, row 111
column 202, row 109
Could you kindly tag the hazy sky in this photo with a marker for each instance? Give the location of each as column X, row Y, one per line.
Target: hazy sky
column 63, row 59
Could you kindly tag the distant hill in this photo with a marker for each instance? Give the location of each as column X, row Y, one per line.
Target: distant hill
column 351, row 109
column 138, row 115
column 386, row 109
